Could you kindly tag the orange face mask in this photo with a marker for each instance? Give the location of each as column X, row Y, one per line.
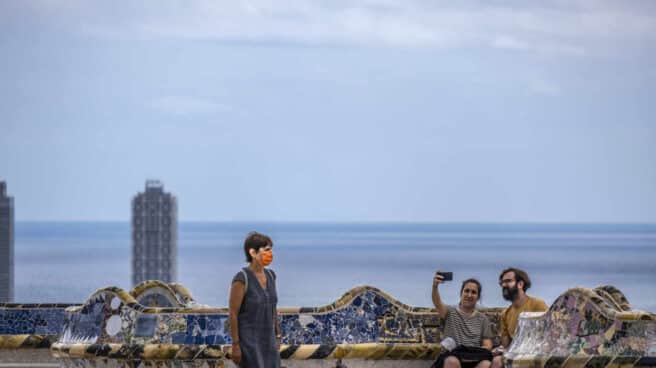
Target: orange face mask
column 267, row 258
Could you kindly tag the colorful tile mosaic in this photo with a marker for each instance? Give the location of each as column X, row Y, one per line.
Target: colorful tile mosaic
column 31, row 319
column 593, row 328
column 155, row 293
column 98, row 363
column 365, row 316
column 370, row 317
column 583, row 328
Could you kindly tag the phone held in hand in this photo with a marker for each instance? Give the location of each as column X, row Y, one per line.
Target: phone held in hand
column 446, row 276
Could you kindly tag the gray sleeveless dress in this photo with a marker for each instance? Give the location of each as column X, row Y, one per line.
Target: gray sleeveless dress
column 257, row 334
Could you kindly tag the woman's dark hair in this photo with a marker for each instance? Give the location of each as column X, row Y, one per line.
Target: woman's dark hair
column 520, row 275
column 255, row 240
column 473, row 281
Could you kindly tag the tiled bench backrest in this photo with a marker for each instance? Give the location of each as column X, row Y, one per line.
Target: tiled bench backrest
column 363, row 315
column 591, row 326
column 30, row 325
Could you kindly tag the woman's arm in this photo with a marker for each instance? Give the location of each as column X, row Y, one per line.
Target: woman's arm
column 486, row 334
column 276, row 323
column 437, row 301
column 236, row 298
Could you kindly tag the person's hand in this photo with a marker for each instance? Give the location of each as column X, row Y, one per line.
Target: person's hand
column 236, row 353
column 437, row 279
column 498, row 350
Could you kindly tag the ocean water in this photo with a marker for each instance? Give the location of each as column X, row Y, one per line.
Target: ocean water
column 317, row 263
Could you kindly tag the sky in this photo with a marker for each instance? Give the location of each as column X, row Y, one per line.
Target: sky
column 331, row 111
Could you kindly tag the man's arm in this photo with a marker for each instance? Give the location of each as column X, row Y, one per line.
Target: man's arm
column 503, row 330
column 505, row 341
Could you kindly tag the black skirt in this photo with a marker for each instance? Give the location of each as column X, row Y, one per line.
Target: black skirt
column 469, row 356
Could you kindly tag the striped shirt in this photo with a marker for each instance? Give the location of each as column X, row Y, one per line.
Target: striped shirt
column 466, row 330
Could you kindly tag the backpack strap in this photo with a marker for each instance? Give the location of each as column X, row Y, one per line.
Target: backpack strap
column 270, row 274
column 243, row 272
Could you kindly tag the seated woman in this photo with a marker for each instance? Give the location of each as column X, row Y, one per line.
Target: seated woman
column 469, row 328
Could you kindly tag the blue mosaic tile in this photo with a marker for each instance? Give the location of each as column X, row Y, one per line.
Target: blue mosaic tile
column 18, row 322
column 354, row 323
column 145, row 325
column 207, row 329
column 87, row 323
column 178, row 338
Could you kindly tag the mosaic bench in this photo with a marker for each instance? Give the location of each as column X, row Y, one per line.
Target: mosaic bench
column 37, row 326
column 585, row 328
column 365, row 323
column 30, row 326
column 160, row 325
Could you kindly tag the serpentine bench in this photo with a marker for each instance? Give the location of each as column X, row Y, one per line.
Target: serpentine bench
column 585, row 328
column 160, row 325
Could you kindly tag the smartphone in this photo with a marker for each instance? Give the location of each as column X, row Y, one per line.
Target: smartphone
column 447, row 276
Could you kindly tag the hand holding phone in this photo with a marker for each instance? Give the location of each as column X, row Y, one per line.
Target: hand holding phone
column 441, row 276
column 446, row 276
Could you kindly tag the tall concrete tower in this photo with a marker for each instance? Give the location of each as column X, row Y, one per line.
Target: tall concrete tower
column 6, row 245
column 154, row 234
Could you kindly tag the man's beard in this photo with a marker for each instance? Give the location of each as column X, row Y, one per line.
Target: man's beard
column 510, row 294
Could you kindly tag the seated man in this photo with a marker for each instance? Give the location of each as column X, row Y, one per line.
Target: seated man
column 469, row 328
column 514, row 283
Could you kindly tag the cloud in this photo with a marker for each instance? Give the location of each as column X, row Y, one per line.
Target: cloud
column 569, row 27
column 186, row 105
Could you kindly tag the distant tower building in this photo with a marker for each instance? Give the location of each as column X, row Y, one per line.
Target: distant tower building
column 6, row 245
column 154, row 234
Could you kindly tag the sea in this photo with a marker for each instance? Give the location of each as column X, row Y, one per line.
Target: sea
column 316, row 263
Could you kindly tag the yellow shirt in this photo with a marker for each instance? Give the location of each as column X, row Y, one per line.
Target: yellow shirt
column 510, row 315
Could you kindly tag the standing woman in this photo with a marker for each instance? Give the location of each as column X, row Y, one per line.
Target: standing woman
column 254, row 322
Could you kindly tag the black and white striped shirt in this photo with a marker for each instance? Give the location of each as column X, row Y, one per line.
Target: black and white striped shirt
column 465, row 329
